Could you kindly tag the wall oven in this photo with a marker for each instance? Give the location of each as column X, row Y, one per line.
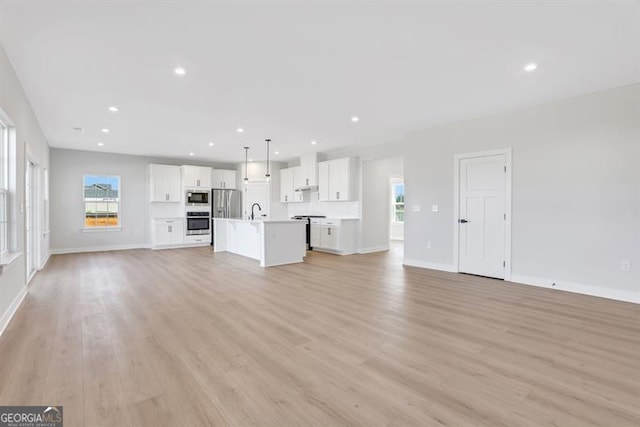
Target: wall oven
column 198, row 223
column 197, row 198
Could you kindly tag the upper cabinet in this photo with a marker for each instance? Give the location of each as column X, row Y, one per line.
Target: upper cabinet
column 165, row 183
column 290, row 180
column 221, row 178
column 308, row 170
column 337, row 180
column 196, row 177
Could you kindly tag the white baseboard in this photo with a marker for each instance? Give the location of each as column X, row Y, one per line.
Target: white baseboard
column 98, row 249
column 374, row 249
column 430, row 265
column 579, row 288
column 180, row 246
column 11, row 310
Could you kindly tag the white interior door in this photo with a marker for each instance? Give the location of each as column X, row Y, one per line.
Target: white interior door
column 482, row 215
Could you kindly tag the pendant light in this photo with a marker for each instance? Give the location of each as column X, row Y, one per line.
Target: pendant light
column 246, row 165
column 268, row 175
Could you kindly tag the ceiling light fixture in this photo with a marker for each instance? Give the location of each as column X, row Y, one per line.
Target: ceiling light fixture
column 100, row 144
column 105, row 130
column 191, row 153
column 246, row 165
column 239, row 130
column 277, row 152
column 530, row 67
column 114, row 109
column 179, row 71
column 314, row 142
column 211, row 144
column 355, row 119
column 268, row 175
column 77, row 129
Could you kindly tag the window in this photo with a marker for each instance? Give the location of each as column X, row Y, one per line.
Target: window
column 101, row 201
column 397, row 207
column 4, row 189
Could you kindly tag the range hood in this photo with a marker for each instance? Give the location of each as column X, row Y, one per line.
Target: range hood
column 307, row 188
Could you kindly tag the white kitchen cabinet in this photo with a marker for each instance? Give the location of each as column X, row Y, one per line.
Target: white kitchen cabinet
column 334, row 235
column 286, row 185
column 164, row 183
column 337, row 180
column 309, row 169
column 223, row 178
column 168, row 232
column 315, row 237
column 196, row 177
column 290, row 179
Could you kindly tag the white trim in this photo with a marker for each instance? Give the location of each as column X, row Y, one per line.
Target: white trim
column 12, row 309
column 98, row 249
column 579, row 288
column 430, row 265
column 373, row 249
column 507, row 152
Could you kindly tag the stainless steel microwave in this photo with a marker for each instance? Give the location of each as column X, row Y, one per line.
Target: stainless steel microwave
column 197, row 198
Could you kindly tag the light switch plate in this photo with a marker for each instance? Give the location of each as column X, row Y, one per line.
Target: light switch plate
column 416, row 208
column 434, row 208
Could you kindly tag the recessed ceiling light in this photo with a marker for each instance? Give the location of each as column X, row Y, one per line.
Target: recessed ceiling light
column 77, row 129
column 211, row 144
column 191, row 154
column 100, row 144
column 114, row 109
column 179, row 71
column 105, row 130
column 240, row 130
column 277, row 152
column 531, row 66
column 355, row 119
column 314, row 142
column 251, row 160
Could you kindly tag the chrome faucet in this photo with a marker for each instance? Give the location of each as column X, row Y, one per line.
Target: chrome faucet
column 253, row 206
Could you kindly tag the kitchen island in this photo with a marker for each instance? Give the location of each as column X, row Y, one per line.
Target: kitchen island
column 272, row 242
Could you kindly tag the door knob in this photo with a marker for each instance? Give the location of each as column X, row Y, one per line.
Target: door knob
column 463, row 221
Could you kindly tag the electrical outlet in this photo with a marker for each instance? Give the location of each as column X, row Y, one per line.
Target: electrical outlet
column 625, row 265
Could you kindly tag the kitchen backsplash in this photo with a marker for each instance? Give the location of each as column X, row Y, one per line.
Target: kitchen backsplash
column 328, row 209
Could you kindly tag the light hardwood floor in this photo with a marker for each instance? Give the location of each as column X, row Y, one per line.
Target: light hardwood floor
column 188, row 338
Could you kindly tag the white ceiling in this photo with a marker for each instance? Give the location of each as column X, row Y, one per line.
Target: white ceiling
column 298, row 71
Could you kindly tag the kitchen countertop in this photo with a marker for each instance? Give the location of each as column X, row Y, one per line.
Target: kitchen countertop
column 258, row 221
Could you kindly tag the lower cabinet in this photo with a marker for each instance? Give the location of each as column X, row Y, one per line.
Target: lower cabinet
column 167, row 232
column 334, row 235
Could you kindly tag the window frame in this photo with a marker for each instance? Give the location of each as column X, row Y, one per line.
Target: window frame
column 394, row 203
column 101, row 228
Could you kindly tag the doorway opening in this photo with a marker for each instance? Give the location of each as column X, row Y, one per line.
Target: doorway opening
column 382, row 217
column 31, row 219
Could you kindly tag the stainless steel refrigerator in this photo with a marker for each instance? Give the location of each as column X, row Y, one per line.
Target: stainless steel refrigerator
column 225, row 204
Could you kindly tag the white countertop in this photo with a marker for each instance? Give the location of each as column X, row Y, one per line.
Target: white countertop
column 258, row 221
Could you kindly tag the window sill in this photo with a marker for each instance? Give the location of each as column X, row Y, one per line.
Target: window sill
column 100, row 229
column 8, row 260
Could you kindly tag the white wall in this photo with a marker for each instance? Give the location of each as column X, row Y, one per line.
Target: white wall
column 376, row 201
column 576, row 190
column 67, row 213
column 29, row 138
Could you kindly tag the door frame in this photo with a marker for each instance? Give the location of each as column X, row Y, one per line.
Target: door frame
column 457, row 158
